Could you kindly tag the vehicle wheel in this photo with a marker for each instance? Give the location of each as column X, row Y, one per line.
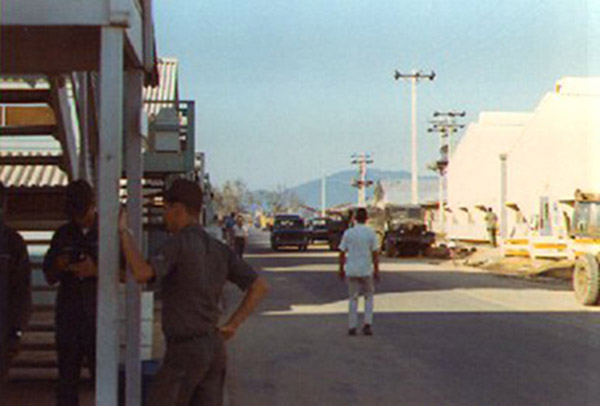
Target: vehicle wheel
column 586, row 280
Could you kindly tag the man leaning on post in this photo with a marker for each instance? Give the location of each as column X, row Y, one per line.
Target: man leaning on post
column 191, row 269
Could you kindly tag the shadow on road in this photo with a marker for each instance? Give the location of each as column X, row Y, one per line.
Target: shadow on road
column 423, row 359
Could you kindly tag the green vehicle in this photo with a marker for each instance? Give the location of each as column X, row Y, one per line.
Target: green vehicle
column 405, row 231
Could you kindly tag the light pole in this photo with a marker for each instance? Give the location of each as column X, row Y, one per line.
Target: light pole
column 414, row 77
column 362, row 160
column 323, row 194
column 445, row 127
column 450, row 125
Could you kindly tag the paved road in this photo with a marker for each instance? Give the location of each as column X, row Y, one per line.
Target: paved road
column 443, row 336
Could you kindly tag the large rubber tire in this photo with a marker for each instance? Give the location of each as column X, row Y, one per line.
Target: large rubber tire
column 586, row 280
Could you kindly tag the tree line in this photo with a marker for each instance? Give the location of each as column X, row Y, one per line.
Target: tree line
column 234, row 196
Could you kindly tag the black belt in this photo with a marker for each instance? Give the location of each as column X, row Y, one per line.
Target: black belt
column 182, row 339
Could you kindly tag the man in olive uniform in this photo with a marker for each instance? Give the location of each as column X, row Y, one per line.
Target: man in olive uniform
column 191, row 269
column 491, row 224
column 15, row 290
column 71, row 261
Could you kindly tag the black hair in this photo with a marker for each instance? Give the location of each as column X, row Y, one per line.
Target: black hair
column 186, row 192
column 361, row 215
column 80, row 197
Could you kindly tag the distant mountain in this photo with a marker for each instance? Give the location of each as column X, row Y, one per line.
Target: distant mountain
column 340, row 191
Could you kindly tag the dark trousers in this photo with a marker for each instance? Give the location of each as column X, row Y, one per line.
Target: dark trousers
column 192, row 374
column 75, row 342
column 239, row 245
column 492, row 235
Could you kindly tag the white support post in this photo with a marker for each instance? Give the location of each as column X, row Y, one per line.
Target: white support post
column 111, row 135
column 503, row 192
column 80, row 88
column 134, row 173
column 69, row 143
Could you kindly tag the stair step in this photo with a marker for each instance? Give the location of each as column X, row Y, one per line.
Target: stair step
column 25, row 96
column 42, row 308
column 30, row 160
column 32, row 374
column 35, row 359
column 40, row 374
column 41, row 327
column 38, row 347
column 23, row 130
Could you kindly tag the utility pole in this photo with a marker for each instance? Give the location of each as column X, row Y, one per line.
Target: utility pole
column 323, row 194
column 362, row 160
column 445, row 127
column 449, row 123
column 414, row 77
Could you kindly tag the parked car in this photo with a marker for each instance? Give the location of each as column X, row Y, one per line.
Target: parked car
column 289, row 230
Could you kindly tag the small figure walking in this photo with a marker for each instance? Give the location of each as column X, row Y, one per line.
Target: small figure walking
column 240, row 236
column 491, row 221
column 229, row 224
column 359, row 265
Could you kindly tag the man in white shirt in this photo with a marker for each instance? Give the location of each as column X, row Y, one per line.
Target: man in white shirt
column 360, row 255
column 240, row 236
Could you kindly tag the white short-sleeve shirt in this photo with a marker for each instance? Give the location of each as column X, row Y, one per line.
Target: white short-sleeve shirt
column 359, row 243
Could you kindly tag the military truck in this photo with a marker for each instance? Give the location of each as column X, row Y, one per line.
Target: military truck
column 405, row 231
column 585, row 247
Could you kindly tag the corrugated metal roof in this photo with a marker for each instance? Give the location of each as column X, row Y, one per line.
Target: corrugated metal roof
column 31, row 175
column 166, row 90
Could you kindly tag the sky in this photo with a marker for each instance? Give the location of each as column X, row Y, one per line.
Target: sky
column 288, row 90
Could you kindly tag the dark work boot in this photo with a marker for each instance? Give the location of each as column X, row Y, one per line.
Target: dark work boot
column 367, row 330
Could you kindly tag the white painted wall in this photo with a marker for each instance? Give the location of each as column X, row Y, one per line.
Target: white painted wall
column 474, row 172
column 551, row 153
column 558, row 151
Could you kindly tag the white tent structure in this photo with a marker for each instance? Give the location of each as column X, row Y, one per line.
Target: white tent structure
column 550, row 153
column 556, row 155
column 474, row 172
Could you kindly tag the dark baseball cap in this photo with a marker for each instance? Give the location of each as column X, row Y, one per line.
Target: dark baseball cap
column 186, row 192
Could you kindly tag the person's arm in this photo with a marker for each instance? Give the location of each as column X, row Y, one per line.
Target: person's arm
column 142, row 271
column 375, row 259
column 84, row 269
column 342, row 257
column 342, row 262
column 254, row 295
column 54, row 261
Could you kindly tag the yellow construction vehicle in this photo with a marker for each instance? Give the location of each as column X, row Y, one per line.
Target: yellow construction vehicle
column 585, row 247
